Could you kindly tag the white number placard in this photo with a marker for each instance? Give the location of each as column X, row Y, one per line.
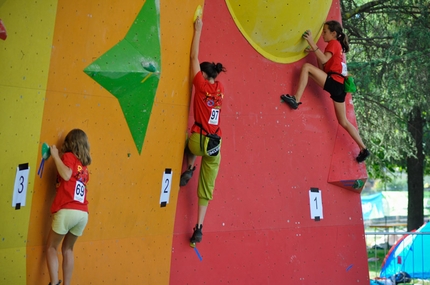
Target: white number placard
column 166, row 185
column 315, row 201
column 20, row 186
column 214, row 118
column 79, row 192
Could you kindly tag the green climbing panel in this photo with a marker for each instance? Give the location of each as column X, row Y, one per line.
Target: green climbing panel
column 130, row 70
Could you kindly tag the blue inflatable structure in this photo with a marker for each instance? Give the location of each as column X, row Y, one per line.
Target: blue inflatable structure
column 410, row 254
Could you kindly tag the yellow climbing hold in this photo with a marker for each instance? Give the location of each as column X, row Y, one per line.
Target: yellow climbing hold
column 198, row 12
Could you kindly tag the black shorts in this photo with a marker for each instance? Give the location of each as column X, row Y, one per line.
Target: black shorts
column 336, row 89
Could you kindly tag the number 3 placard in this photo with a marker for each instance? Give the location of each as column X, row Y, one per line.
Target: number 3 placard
column 315, row 202
column 166, row 184
column 20, row 187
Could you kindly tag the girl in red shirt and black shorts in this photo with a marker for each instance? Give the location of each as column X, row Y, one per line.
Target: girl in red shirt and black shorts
column 327, row 76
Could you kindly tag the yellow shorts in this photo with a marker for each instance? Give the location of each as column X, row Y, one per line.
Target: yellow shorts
column 68, row 220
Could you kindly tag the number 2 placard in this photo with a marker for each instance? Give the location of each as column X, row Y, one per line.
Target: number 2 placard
column 166, row 184
column 315, row 202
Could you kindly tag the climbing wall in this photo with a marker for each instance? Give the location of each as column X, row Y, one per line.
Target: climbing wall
column 286, row 205
column 277, row 165
column 24, row 60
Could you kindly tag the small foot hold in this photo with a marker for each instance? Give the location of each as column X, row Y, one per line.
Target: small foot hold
column 193, row 244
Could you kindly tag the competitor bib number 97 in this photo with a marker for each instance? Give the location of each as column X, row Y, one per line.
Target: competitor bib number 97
column 79, row 192
column 214, row 118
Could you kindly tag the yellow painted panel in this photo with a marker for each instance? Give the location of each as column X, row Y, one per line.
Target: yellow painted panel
column 12, row 265
column 24, row 57
column 20, row 116
column 275, row 28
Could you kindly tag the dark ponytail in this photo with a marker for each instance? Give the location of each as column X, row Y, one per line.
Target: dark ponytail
column 334, row 26
column 212, row 69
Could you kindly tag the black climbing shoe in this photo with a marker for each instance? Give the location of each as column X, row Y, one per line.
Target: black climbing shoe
column 290, row 100
column 197, row 235
column 364, row 153
column 186, row 176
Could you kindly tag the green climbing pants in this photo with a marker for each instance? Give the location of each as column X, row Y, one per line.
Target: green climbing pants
column 208, row 169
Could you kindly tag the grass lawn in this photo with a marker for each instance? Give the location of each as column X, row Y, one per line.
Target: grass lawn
column 375, row 256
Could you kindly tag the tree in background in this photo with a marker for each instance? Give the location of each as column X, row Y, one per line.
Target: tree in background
column 390, row 62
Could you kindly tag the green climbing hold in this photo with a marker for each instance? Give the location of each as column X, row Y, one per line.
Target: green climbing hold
column 46, row 151
column 358, row 184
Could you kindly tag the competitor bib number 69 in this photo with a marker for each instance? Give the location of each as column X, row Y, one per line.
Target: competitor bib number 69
column 79, row 192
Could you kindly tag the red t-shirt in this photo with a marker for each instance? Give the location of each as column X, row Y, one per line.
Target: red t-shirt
column 334, row 64
column 72, row 194
column 207, row 105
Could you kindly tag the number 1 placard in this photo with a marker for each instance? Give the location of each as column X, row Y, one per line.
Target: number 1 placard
column 166, row 184
column 20, row 186
column 315, row 202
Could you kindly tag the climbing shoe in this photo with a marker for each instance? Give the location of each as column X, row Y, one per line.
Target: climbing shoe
column 59, row 282
column 197, row 235
column 364, row 153
column 186, row 176
column 290, row 100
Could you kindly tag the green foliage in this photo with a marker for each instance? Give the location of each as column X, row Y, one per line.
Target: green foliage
column 390, row 60
column 396, row 183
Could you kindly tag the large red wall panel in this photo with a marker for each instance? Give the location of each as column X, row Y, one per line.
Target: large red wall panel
column 258, row 229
